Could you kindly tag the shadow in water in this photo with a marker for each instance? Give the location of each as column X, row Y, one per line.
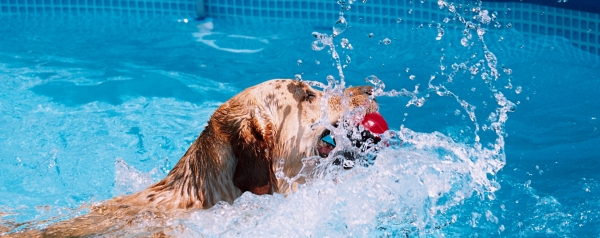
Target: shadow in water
column 115, row 92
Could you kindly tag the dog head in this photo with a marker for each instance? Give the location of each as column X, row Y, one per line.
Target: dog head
column 274, row 125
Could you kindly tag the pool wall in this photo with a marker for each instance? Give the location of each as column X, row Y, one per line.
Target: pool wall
column 180, row 8
column 581, row 28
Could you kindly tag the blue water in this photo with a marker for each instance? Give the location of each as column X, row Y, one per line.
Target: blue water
column 94, row 107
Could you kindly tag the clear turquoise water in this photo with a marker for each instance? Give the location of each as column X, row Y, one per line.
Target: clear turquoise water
column 94, row 107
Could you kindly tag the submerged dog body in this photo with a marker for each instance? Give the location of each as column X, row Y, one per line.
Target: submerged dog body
column 252, row 142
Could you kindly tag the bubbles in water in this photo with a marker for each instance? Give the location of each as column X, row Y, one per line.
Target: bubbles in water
column 348, row 60
column 299, row 62
column 387, row 41
column 399, row 20
column 518, row 90
column 298, row 77
column 370, row 35
column 340, row 26
column 412, row 77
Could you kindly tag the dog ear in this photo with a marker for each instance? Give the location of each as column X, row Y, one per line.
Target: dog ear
column 252, row 140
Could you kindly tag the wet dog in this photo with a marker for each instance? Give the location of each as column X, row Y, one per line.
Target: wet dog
column 266, row 129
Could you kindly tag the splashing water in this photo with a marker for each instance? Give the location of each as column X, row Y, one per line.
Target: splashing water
column 418, row 181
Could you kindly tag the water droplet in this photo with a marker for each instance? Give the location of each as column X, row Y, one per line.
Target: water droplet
column 387, row 41
column 335, row 55
column 318, row 45
column 518, row 90
column 330, row 79
column 372, row 79
column 407, row 69
column 299, row 62
column 298, row 77
column 344, row 43
column 348, row 60
column 440, row 32
column 398, row 20
column 370, row 35
column 340, row 26
column 317, row 62
column 509, row 25
column 412, row 77
column 464, row 42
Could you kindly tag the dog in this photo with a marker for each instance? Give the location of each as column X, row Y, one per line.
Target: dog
column 250, row 141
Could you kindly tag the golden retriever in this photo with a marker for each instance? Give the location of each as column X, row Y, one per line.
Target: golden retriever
column 264, row 130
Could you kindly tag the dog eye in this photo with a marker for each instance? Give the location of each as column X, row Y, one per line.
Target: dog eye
column 310, row 95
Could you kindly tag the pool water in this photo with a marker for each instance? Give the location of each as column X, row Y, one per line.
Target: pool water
column 98, row 106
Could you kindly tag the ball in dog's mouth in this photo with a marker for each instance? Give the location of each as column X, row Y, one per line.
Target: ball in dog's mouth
column 374, row 125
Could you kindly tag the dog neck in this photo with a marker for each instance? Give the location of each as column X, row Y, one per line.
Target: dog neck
column 192, row 183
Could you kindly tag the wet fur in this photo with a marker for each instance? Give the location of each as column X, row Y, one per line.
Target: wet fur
column 238, row 151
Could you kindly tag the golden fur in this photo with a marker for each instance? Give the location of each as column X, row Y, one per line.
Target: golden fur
column 263, row 129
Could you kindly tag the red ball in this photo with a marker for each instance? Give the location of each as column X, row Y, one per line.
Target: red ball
column 375, row 123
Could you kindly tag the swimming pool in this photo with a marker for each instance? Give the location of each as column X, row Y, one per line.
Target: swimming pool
column 98, row 104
